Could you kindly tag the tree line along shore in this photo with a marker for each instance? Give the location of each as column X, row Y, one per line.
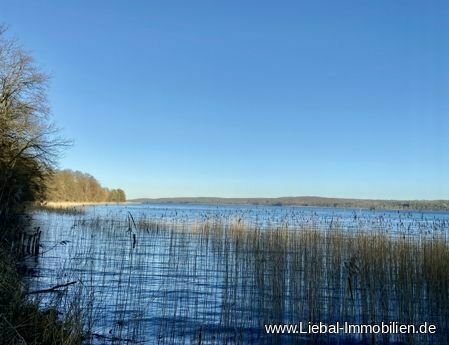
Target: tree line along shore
column 75, row 186
column 30, row 145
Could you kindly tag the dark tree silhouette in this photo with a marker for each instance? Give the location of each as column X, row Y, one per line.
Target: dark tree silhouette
column 29, row 142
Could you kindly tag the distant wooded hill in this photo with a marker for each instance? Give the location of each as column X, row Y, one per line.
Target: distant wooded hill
column 69, row 185
column 442, row 205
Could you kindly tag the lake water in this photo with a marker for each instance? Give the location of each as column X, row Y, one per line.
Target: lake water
column 146, row 274
column 400, row 222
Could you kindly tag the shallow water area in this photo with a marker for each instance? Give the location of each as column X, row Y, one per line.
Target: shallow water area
column 214, row 274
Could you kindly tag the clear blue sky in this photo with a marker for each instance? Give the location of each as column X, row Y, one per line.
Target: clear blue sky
column 248, row 98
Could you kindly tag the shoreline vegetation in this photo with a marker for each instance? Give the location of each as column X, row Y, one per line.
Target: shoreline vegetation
column 68, row 207
column 30, row 145
column 313, row 201
column 55, row 204
column 69, row 191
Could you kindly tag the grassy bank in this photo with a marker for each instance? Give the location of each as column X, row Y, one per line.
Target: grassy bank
column 66, row 207
column 21, row 320
column 65, row 204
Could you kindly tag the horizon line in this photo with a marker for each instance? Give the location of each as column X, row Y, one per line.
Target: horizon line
column 282, row 197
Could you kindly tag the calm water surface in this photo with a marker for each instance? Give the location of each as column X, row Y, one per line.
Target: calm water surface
column 165, row 287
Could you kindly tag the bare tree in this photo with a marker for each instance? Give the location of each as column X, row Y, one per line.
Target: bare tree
column 29, row 142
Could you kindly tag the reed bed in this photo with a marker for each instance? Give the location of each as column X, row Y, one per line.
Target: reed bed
column 219, row 281
column 68, row 209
